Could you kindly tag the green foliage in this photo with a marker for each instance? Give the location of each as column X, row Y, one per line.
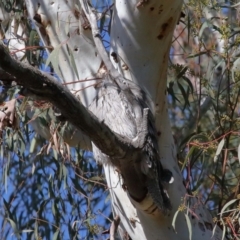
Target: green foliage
column 206, row 113
column 48, row 197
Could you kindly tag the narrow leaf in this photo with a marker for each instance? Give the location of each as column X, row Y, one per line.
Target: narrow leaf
column 214, row 229
column 187, row 157
column 239, row 153
column 189, row 225
column 205, row 25
column 224, row 230
column 33, row 168
column 227, row 205
column 27, row 230
column 189, row 83
column 185, row 95
column 55, row 236
column 219, row 149
column 174, row 219
column 65, row 174
column 235, row 5
column 54, row 59
column 182, row 72
column 14, row 227
column 36, row 230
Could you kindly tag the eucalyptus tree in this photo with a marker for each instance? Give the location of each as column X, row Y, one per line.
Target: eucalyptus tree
column 109, row 63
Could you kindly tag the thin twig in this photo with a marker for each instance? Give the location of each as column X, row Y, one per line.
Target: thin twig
column 84, row 80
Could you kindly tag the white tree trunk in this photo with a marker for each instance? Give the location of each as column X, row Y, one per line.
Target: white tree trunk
column 141, row 38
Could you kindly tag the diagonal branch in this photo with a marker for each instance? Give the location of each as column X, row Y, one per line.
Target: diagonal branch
column 46, row 87
column 120, row 149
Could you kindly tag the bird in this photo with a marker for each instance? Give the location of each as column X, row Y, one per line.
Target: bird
column 120, row 105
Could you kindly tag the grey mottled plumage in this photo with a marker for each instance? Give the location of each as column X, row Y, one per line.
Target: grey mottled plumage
column 119, row 109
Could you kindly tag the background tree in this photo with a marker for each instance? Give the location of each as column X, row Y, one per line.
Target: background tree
column 52, row 190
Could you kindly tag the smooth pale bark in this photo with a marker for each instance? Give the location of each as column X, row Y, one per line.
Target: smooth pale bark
column 60, row 25
column 141, row 37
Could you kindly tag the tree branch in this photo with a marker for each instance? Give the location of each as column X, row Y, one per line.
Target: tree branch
column 46, row 87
